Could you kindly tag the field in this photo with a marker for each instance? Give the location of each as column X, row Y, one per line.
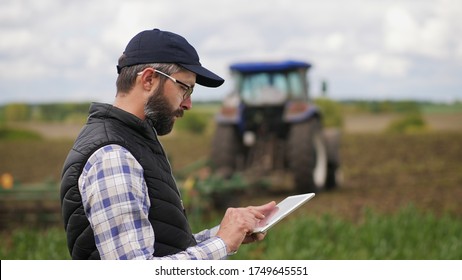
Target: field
column 398, row 191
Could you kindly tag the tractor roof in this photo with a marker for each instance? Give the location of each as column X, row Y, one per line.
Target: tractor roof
column 251, row 67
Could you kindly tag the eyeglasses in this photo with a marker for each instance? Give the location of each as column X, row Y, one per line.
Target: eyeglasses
column 188, row 90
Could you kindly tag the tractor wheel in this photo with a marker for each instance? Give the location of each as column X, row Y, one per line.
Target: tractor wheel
column 225, row 149
column 307, row 155
column 332, row 139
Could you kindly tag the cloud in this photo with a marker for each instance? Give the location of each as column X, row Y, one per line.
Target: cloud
column 404, row 35
column 385, row 65
column 358, row 45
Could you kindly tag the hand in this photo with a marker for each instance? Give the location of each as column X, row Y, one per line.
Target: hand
column 238, row 223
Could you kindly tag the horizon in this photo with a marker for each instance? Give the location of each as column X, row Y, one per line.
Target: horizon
column 205, row 101
column 375, row 50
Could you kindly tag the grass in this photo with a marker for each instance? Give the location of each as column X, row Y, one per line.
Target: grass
column 406, row 235
column 13, row 134
column 34, row 244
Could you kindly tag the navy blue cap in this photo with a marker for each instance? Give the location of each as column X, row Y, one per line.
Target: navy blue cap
column 156, row 46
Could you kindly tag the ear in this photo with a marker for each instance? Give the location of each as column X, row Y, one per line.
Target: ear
column 147, row 79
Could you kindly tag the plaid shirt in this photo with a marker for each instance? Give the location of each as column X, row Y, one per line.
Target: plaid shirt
column 116, row 202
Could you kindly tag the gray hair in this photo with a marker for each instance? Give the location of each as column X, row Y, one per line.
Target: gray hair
column 127, row 77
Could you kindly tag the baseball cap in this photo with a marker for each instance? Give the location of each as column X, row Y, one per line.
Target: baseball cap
column 156, row 46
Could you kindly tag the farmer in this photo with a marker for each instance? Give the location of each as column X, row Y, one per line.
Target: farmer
column 119, row 198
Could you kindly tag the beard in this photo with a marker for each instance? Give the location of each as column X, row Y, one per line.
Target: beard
column 161, row 113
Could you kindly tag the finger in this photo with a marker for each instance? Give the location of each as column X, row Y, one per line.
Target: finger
column 246, row 219
column 256, row 213
column 265, row 208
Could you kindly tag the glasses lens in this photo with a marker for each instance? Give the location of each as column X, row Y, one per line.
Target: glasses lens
column 188, row 93
column 188, row 89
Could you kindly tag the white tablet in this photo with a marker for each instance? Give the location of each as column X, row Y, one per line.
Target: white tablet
column 282, row 209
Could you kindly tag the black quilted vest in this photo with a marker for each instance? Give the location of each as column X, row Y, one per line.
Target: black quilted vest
column 110, row 125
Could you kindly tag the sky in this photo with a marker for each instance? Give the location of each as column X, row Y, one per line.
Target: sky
column 67, row 51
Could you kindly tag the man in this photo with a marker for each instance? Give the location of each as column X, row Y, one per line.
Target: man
column 119, row 197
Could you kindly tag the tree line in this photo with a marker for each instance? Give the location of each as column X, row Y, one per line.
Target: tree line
column 53, row 112
column 78, row 112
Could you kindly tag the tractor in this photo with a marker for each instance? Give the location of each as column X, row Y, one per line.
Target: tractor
column 267, row 125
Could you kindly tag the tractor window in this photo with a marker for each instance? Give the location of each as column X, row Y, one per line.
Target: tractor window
column 297, row 85
column 273, row 87
column 262, row 88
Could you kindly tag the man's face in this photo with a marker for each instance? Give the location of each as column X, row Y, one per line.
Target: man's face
column 166, row 104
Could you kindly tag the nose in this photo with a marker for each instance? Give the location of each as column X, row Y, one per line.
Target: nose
column 186, row 104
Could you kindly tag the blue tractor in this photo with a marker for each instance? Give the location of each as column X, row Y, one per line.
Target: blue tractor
column 267, row 125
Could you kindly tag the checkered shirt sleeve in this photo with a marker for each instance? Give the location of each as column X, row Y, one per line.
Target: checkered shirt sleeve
column 116, row 202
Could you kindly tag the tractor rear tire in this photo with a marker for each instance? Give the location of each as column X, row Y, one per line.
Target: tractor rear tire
column 225, row 149
column 307, row 156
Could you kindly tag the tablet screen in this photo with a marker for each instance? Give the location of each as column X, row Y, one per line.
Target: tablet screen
column 282, row 209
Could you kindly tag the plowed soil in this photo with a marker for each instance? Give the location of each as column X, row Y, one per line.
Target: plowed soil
column 384, row 172
column 388, row 172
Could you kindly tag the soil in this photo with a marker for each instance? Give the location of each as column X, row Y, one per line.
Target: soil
column 386, row 173
column 383, row 172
